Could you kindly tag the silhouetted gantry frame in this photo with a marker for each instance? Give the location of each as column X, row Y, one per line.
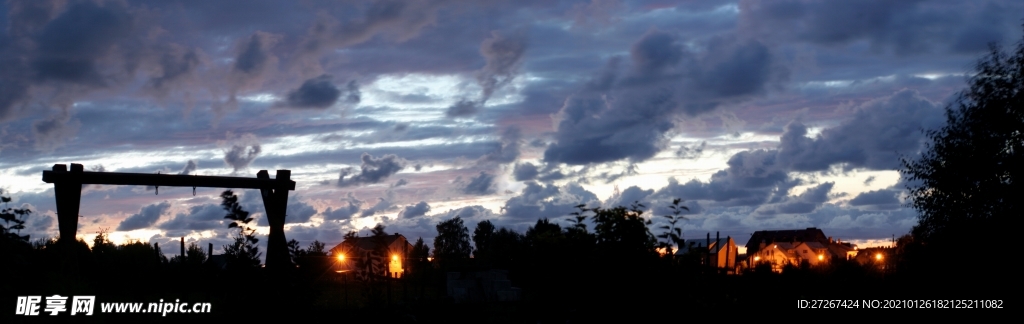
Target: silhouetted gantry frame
column 67, row 187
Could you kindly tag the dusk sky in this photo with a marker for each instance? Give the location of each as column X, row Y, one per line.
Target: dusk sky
column 760, row 115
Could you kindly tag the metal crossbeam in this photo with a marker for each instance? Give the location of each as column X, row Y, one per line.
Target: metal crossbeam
column 165, row 180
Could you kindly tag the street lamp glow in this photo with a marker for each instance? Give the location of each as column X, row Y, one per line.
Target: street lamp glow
column 341, row 257
column 821, row 257
column 394, row 258
column 878, row 256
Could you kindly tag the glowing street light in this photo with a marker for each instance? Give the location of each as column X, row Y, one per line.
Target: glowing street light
column 821, row 257
column 341, row 257
column 394, row 258
column 878, row 256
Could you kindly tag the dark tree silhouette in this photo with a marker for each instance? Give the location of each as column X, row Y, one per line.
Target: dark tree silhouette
column 13, row 215
column 507, row 247
column 452, row 241
column 965, row 185
column 623, row 232
column 673, row 235
column 482, row 239
column 967, row 175
column 243, row 252
column 194, row 255
column 316, row 248
column 420, row 251
column 294, row 250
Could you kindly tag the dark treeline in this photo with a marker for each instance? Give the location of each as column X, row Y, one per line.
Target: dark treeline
column 566, row 271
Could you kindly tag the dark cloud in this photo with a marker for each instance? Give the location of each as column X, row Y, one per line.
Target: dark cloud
column 13, row 91
column 691, row 152
column 176, row 65
column 243, row 152
column 880, row 199
column 869, row 180
column 317, row 93
column 373, row 170
column 53, row 132
column 145, row 218
column 904, row 27
column 298, row 212
column 27, row 17
column 595, row 13
column 508, row 151
column 466, row 213
column 253, row 54
column 198, row 218
column 804, row 203
column 71, row 44
column 656, row 51
column 329, row 233
column 463, row 108
column 346, row 212
column 383, row 204
column 627, row 197
column 504, row 55
column 626, row 114
column 419, row 209
column 524, row 171
column 751, row 178
column 398, row 18
column 399, row 183
column 547, row 201
column 482, row 184
column 254, row 60
column 40, row 224
column 189, row 168
column 351, row 94
column 879, row 131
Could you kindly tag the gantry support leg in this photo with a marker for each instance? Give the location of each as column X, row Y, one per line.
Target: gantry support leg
column 275, row 202
column 68, row 194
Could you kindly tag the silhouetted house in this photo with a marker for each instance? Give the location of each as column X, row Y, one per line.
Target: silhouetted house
column 384, row 255
column 795, row 247
column 876, row 256
column 219, row 262
column 718, row 253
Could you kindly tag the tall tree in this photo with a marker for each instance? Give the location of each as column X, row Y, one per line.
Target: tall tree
column 243, row 252
column 623, row 233
column 967, row 178
column 13, row 215
column 482, row 239
column 673, row 235
column 316, row 248
column 452, row 241
column 194, row 254
column 965, row 185
column 420, row 251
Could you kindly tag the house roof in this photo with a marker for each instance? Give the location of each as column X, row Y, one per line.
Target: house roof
column 219, row 261
column 811, row 234
column 702, row 243
column 816, row 245
column 368, row 243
